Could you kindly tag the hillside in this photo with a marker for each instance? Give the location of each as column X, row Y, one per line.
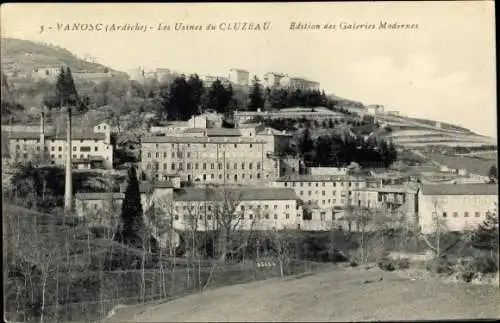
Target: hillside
column 336, row 295
column 22, row 56
column 417, row 132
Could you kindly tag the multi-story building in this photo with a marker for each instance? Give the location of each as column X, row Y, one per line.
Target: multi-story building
column 208, row 159
column 203, row 209
column 297, row 83
column 272, row 80
column 327, row 192
column 455, row 207
column 90, row 148
column 319, row 114
column 208, row 80
column 239, row 77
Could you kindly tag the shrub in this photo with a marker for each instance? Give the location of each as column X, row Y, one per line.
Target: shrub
column 440, row 266
column 403, row 263
column 353, row 263
column 387, row 264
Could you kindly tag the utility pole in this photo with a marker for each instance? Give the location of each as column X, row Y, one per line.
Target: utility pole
column 68, row 192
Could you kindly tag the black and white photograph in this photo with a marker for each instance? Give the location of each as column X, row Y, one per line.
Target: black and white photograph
column 249, row 162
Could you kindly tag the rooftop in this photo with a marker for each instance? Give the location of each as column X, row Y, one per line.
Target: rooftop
column 145, row 187
column 236, row 194
column 319, row 178
column 272, row 131
column 75, row 135
column 460, row 189
column 215, row 132
column 99, row 196
column 214, row 140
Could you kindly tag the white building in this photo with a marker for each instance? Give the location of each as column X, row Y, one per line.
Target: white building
column 455, row 207
column 272, row 79
column 239, row 77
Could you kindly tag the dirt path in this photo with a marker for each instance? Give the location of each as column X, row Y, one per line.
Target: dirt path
column 338, row 295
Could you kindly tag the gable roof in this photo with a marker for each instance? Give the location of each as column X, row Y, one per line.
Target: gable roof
column 75, row 135
column 460, row 189
column 238, row 194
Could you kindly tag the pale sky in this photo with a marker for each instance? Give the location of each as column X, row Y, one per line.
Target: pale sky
column 444, row 70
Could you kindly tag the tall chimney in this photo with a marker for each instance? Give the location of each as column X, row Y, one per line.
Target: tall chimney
column 68, row 192
column 42, row 137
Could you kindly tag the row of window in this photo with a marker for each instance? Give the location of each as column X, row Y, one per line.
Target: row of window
column 83, row 148
column 53, row 140
column 265, row 216
column 301, row 184
column 203, row 166
column 204, row 145
column 323, row 193
column 466, row 214
column 242, row 207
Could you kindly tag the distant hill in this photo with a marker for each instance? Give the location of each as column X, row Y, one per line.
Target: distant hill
column 418, row 132
column 23, row 56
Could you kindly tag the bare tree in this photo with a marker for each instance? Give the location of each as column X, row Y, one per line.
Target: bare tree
column 227, row 217
column 438, row 228
column 280, row 243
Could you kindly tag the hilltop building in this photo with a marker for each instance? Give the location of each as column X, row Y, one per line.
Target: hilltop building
column 272, row 80
column 239, row 77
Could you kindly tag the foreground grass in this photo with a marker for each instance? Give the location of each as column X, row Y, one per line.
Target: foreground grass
column 354, row 294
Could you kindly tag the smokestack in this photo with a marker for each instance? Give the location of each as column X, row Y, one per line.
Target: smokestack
column 68, row 192
column 42, row 137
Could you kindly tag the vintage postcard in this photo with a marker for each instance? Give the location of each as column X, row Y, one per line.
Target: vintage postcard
column 249, row 162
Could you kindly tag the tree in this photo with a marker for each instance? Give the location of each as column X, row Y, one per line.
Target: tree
column 219, row 97
column 197, row 90
column 306, row 143
column 493, row 174
column 487, row 236
column 132, row 221
column 256, row 98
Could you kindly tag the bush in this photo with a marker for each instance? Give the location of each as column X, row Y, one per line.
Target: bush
column 403, row 263
column 353, row 263
column 440, row 266
column 387, row 264
column 483, row 263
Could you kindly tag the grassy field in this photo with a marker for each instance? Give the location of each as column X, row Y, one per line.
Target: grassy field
column 340, row 294
column 474, row 165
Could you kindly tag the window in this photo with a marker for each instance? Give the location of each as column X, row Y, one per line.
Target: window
column 164, row 155
column 228, row 166
column 220, row 165
column 212, row 166
column 173, row 155
column 188, row 165
column 250, row 144
column 309, row 193
column 60, row 149
column 96, row 148
column 317, row 184
column 309, row 184
column 212, row 176
column 323, row 193
column 455, row 214
column 266, row 216
column 173, row 166
column 235, row 166
column 275, row 216
column 204, row 177
column 444, row 214
column 149, row 155
column 477, row 214
column 286, row 184
column 188, row 155
column 323, row 184
column 334, row 184
column 287, row 206
column 235, row 146
column 258, row 175
column 157, row 155
column 74, row 148
column 81, row 156
column 196, row 166
column 220, row 176
column 74, row 155
column 165, row 166
column 301, row 184
column 287, row 216
column 242, row 165
column 301, row 192
column 204, row 145
column 59, row 156
column 204, row 166
column 466, row 214
column 249, row 165
column 258, row 165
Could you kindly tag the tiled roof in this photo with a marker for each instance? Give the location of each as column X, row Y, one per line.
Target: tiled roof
column 145, row 187
column 237, row 194
column 223, row 132
column 99, row 196
column 319, row 178
column 460, row 189
column 75, row 135
column 249, row 125
column 214, row 140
